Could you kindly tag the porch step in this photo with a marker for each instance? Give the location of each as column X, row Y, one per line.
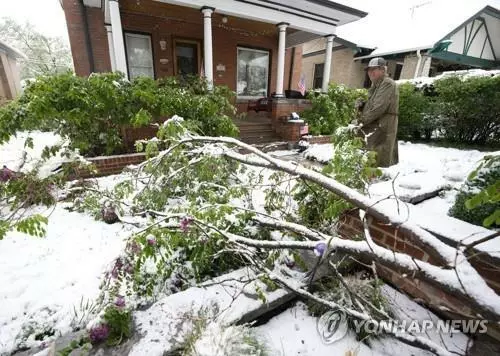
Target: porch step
column 253, row 140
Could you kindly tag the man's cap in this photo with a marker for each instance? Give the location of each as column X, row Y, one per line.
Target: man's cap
column 377, row 62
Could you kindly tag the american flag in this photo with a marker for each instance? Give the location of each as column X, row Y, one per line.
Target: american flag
column 302, row 84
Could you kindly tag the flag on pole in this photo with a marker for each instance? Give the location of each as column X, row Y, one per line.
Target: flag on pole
column 302, row 85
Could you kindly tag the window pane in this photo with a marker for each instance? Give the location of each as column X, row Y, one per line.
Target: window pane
column 318, row 75
column 139, row 55
column 187, row 58
column 253, row 72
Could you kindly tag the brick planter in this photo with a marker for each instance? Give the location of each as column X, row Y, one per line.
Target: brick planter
column 108, row 165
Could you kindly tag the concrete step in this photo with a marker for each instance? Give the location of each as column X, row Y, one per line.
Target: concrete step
column 259, row 140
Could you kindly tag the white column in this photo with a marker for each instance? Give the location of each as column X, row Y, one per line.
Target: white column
column 111, row 46
column 207, row 41
column 117, row 33
column 328, row 63
column 281, row 59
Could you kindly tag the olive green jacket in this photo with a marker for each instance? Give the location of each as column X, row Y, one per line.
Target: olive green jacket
column 380, row 121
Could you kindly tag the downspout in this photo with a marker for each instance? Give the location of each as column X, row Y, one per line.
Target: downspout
column 88, row 43
column 419, row 62
column 292, row 63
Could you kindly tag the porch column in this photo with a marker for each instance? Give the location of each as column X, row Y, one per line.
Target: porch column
column 281, row 59
column 207, row 42
column 117, row 34
column 111, row 46
column 328, row 63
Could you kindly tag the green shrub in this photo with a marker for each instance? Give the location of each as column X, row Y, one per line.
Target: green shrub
column 414, row 120
column 470, row 109
column 92, row 111
column 478, row 200
column 332, row 110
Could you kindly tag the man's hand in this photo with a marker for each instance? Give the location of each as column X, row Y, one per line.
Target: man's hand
column 359, row 104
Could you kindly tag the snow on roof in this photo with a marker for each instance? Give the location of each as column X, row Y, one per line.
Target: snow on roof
column 407, row 25
column 11, row 50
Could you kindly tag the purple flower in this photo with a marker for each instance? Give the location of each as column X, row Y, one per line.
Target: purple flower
column 99, row 333
column 134, row 247
column 151, row 240
column 320, row 249
column 120, row 301
column 185, row 222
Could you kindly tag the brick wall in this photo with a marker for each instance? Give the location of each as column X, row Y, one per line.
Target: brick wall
column 108, row 165
column 391, row 238
column 344, row 69
column 74, row 13
column 409, row 67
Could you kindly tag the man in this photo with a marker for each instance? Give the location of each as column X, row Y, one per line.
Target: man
column 379, row 119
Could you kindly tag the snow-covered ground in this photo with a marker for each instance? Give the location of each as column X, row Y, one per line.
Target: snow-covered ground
column 422, row 168
column 20, row 158
column 43, row 279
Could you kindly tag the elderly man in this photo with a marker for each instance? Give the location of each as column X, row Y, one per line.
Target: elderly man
column 379, row 119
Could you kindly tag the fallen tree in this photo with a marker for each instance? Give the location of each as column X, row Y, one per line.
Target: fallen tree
column 194, row 202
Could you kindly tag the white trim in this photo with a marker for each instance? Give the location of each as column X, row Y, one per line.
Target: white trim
column 328, row 63
column 118, row 42
column 280, row 72
column 373, row 55
column 258, row 13
column 111, row 46
column 208, row 59
column 92, row 3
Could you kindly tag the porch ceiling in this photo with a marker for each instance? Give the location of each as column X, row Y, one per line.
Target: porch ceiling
column 319, row 17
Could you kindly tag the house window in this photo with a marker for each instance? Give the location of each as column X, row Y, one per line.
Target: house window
column 318, row 75
column 139, row 55
column 253, row 73
column 187, row 58
column 397, row 72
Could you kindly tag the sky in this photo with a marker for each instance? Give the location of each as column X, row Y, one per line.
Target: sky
column 46, row 15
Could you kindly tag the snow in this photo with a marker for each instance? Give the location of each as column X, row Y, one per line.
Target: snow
column 51, row 275
column 294, row 332
column 463, row 74
column 13, row 153
column 320, row 152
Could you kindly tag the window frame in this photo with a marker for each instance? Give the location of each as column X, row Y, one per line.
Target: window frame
column 318, row 77
column 268, row 82
column 199, row 53
column 139, row 35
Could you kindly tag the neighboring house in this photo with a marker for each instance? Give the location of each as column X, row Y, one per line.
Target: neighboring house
column 10, row 83
column 422, row 48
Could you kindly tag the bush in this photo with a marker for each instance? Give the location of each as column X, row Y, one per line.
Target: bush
column 470, row 109
column 92, row 111
column 332, row 110
column 474, row 204
column 416, row 117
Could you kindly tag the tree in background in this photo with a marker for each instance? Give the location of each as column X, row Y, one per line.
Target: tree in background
column 46, row 55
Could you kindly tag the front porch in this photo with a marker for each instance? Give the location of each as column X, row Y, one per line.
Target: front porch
column 252, row 47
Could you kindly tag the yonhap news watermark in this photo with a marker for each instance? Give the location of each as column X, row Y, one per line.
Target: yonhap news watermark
column 333, row 326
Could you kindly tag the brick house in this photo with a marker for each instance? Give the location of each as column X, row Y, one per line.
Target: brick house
column 253, row 47
column 466, row 41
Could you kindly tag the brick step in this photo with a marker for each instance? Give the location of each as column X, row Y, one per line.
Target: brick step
column 260, row 130
column 254, row 125
column 260, row 140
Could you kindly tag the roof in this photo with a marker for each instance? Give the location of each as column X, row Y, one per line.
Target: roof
column 11, row 51
column 408, row 28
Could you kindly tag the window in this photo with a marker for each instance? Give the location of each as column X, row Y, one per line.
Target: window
column 318, row 75
column 253, row 73
column 397, row 72
column 139, row 55
column 187, row 58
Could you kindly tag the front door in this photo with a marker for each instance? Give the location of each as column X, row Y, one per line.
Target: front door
column 187, row 58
